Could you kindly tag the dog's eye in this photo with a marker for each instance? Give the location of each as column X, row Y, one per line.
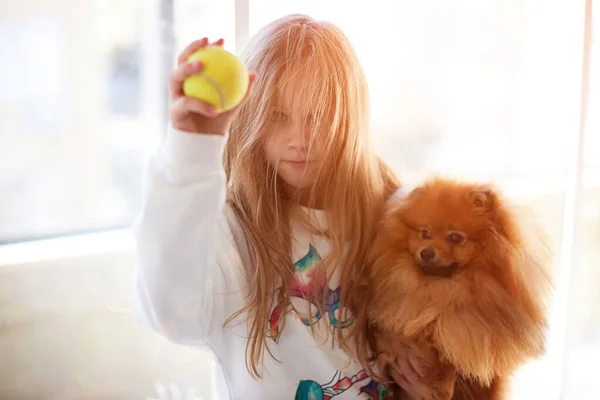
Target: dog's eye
column 425, row 234
column 456, row 238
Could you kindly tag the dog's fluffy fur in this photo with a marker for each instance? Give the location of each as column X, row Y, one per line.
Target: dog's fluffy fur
column 456, row 269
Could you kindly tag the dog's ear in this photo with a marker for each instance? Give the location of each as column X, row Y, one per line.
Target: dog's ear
column 483, row 197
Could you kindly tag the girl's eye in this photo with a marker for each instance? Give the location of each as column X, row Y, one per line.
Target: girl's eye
column 278, row 116
column 425, row 234
column 456, row 238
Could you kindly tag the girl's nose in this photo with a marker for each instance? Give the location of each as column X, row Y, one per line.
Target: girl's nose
column 298, row 137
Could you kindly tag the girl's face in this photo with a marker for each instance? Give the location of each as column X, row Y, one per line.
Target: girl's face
column 290, row 146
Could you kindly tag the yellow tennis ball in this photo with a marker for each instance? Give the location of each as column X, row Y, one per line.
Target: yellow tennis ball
column 222, row 83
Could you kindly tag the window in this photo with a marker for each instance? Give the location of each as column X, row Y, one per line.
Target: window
column 83, row 106
column 81, row 113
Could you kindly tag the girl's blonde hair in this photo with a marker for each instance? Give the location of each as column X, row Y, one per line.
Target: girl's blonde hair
column 352, row 184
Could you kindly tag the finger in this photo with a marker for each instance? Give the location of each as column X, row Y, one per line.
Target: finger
column 219, row 42
column 418, row 365
column 424, row 360
column 186, row 105
column 190, row 49
column 397, row 376
column 180, row 74
column 403, row 383
column 408, row 370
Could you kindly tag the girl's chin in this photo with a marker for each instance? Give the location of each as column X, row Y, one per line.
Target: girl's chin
column 295, row 180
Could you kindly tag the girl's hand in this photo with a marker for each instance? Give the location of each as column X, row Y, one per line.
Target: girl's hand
column 190, row 114
column 414, row 371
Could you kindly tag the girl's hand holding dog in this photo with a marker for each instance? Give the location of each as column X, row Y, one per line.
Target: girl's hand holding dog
column 414, row 371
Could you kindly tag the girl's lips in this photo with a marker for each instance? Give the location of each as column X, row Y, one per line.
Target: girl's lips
column 298, row 164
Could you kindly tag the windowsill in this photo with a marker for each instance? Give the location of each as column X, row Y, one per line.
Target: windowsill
column 66, row 247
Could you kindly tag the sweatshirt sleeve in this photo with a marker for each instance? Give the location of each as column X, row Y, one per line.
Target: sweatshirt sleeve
column 186, row 259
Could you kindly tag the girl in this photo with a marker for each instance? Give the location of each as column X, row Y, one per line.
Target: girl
column 256, row 220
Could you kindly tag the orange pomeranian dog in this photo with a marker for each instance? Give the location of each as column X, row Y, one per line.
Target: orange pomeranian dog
column 455, row 269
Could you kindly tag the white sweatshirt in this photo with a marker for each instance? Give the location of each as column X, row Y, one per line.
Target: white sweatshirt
column 189, row 275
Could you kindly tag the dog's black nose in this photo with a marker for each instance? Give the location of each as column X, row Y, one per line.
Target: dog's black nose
column 427, row 254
